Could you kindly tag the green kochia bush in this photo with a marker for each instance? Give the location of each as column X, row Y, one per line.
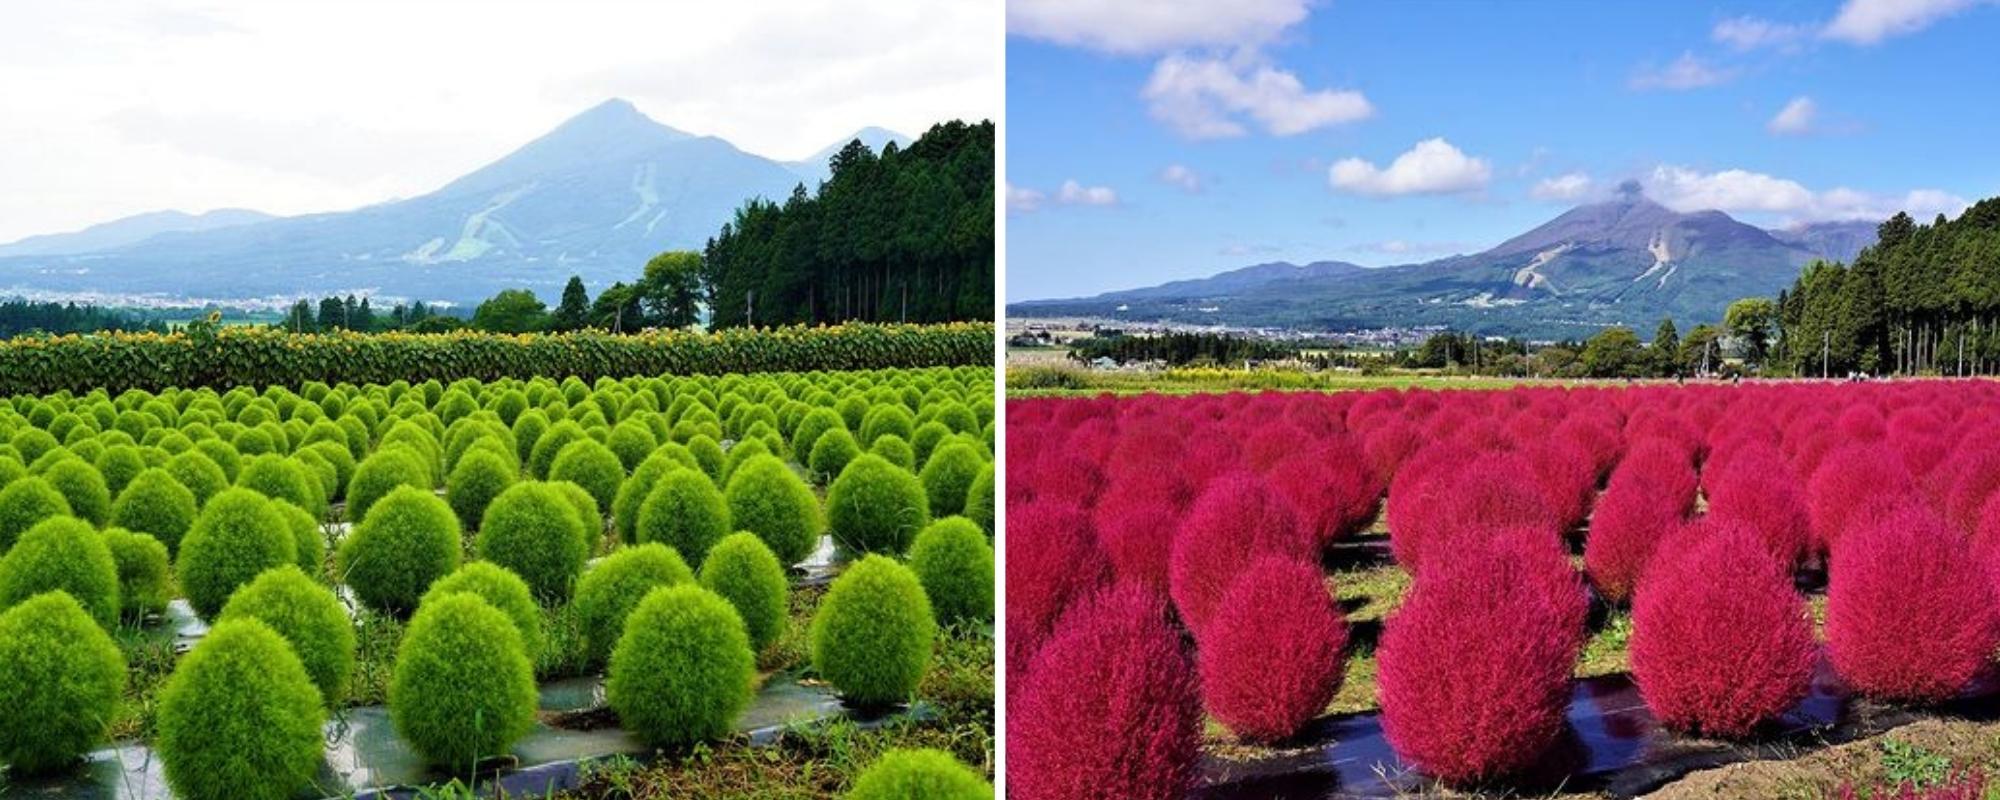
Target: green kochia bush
column 895, row 450
column 872, row 635
column 479, row 477
column 919, row 775
column 198, row 473
column 874, row 507
column 240, row 718
column 157, row 505
column 634, row 491
column 408, row 540
column 683, row 670
column 955, row 564
column 82, row 488
column 463, row 688
column 62, row 554
column 118, row 464
column 309, row 616
column 237, row 536
column 25, row 502
column 533, row 530
column 610, row 590
column 281, row 478
column 686, row 512
column 63, row 680
column 830, row 454
column 744, row 572
column 380, row 473
column 979, row 500
column 591, row 465
column 767, row 499
column 503, row 590
column 948, row 476
column 309, row 543
column 144, row 586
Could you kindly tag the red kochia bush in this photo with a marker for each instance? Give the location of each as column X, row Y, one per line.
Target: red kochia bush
column 1270, row 658
column 1720, row 641
column 1108, row 709
column 1853, row 485
column 1052, row 560
column 1493, row 489
column 1768, row 500
column 1136, row 518
column 1627, row 526
column 1909, row 613
column 1330, row 489
column 1474, row 669
column 1234, row 520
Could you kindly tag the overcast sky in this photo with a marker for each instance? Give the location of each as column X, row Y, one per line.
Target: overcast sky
column 113, row 108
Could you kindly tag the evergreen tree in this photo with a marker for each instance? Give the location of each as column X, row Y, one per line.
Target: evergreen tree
column 573, row 313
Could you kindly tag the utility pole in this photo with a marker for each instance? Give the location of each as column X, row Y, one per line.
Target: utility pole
column 750, row 308
column 1825, row 344
column 1961, row 352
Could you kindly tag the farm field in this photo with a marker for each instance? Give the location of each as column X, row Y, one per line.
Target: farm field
column 775, row 584
column 1595, row 591
column 1051, row 378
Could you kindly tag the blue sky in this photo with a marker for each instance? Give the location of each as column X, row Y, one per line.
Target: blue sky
column 1152, row 141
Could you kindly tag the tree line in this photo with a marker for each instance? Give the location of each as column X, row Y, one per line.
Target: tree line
column 1177, row 349
column 20, row 316
column 349, row 313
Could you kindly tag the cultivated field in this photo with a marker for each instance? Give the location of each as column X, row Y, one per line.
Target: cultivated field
column 1540, row 590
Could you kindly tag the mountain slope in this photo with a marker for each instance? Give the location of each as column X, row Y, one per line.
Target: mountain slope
column 1625, row 261
column 815, row 168
column 597, row 196
column 130, row 230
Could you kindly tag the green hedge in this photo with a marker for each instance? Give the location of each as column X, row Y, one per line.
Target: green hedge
column 242, row 356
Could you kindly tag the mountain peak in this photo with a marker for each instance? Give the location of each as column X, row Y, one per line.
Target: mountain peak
column 610, row 131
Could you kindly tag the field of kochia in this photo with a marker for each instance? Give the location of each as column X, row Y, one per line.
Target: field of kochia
column 442, row 547
column 1169, row 596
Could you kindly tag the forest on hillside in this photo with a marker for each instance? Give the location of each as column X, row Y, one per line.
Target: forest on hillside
column 1923, row 299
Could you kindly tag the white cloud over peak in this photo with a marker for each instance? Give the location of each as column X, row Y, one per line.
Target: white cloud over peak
column 1144, row 27
column 1182, row 176
column 1077, row 194
column 1686, row 72
column 1795, row 119
column 1565, row 187
column 1433, row 166
column 1023, row 200
column 1212, row 98
column 1868, row 22
column 1751, row 33
column 1737, row 190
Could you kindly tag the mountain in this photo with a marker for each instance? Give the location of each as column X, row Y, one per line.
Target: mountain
column 1626, row 261
column 1836, row 241
column 814, row 168
column 597, row 196
column 1238, row 281
column 130, row 230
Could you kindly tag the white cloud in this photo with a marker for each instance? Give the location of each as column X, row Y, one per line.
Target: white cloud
column 1870, row 21
column 1751, row 33
column 1077, row 194
column 1795, row 119
column 1022, row 200
column 1433, row 166
column 1207, row 98
column 1140, row 27
column 1738, row 190
column 85, row 136
column 1182, row 176
column 1686, row 72
column 1568, row 186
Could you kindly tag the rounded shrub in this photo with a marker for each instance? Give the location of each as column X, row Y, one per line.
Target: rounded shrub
column 1234, row 520
column 1720, row 640
column 1473, row 670
column 479, row 477
column 894, row 450
column 408, row 540
column 463, row 689
column 197, row 473
column 379, row 474
column 82, row 488
column 686, row 512
column 1108, row 707
column 830, row 454
column 551, row 443
column 64, row 679
column 1909, row 613
column 62, row 554
column 281, row 478
column 883, row 420
column 743, row 571
column 591, row 465
column 768, row 499
column 118, row 464
column 947, row 477
column 925, row 774
column 707, row 455
column 240, row 718
column 874, row 507
column 308, row 542
column 310, row 618
column 532, row 529
column 237, row 536
column 144, row 587
column 979, row 499
column 225, row 457
column 501, row 589
column 872, row 635
column 585, row 507
column 1277, row 605
column 157, row 505
column 24, row 503
column 683, row 671
column 955, row 564
column 615, row 585
column 926, row 439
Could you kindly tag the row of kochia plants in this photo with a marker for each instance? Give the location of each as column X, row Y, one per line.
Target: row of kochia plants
column 1164, row 564
column 661, row 512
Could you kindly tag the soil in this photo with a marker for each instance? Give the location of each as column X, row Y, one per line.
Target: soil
column 1814, row 775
